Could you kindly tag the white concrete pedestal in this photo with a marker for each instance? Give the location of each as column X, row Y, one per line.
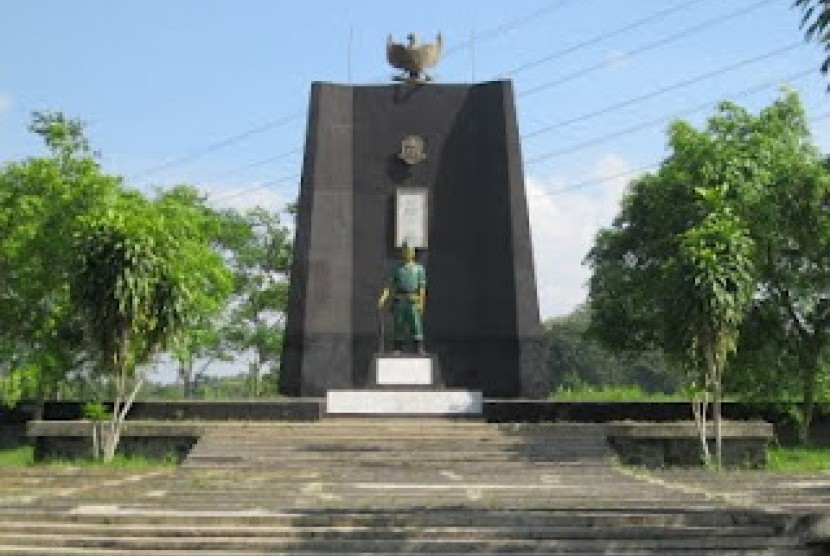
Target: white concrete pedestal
column 403, row 402
column 404, row 385
column 403, row 371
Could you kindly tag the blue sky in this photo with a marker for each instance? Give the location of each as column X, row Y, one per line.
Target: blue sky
column 159, row 81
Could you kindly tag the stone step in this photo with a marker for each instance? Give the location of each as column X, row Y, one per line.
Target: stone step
column 483, row 430
column 314, row 504
column 372, row 487
column 411, row 448
column 446, row 426
column 399, row 482
column 588, row 450
column 341, row 499
column 336, row 503
column 227, row 464
column 393, row 437
column 371, row 440
column 469, row 456
column 406, row 444
column 264, row 464
column 479, row 442
column 349, row 452
column 392, row 546
column 11, row 550
column 367, row 458
column 379, row 532
column 73, row 514
column 414, row 425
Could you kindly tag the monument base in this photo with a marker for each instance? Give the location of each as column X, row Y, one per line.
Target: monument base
column 404, row 370
column 405, row 385
column 404, row 402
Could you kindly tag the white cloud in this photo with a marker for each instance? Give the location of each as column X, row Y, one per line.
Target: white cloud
column 243, row 197
column 5, row 102
column 563, row 227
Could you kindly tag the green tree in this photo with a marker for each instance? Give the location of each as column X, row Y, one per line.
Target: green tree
column 743, row 187
column 42, row 200
column 712, row 281
column 790, row 223
column 816, row 23
column 261, row 264
column 257, row 247
column 204, row 340
column 795, row 262
column 763, row 369
column 575, row 359
column 143, row 272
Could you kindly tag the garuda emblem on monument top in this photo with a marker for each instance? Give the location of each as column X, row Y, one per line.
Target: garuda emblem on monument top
column 413, row 58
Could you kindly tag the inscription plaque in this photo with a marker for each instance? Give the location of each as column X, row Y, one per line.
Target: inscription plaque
column 411, row 217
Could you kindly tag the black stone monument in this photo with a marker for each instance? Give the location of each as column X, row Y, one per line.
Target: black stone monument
column 482, row 314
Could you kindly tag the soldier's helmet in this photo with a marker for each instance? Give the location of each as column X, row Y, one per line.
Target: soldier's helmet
column 407, row 250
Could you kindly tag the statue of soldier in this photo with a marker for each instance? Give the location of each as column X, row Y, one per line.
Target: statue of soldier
column 407, row 287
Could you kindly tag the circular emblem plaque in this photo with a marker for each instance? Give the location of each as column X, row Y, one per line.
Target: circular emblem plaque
column 412, row 150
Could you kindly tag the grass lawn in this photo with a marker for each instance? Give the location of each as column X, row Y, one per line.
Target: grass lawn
column 17, row 457
column 612, row 394
column 24, row 456
column 799, row 459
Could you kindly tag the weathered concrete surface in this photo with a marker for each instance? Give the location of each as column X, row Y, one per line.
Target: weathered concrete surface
column 804, row 496
column 405, row 486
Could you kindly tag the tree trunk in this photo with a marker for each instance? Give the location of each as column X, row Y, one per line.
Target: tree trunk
column 110, row 439
column 120, row 366
column 716, row 415
column 186, row 374
column 809, row 371
column 253, row 377
column 96, row 445
column 699, row 409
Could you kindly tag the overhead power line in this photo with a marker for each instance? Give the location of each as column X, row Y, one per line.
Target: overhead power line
column 587, row 116
column 662, row 14
column 639, row 170
column 662, row 90
column 688, row 31
column 488, row 34
column 596, row 181
column 503, row 28
column 293, row 178
column 257, row 163
column 221, row 144
column 665, row 118
column 285, row 180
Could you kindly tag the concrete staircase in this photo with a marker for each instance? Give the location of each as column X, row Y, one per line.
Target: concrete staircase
column 372, row 487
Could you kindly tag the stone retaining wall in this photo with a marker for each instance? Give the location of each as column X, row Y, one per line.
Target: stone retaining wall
column 652, row 445
column 69, row 440
column 656, row 445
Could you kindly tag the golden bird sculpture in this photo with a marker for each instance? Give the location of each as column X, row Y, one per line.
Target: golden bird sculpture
column 413, row 58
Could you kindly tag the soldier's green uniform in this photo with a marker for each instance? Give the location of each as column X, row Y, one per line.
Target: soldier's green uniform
column 407, row 280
